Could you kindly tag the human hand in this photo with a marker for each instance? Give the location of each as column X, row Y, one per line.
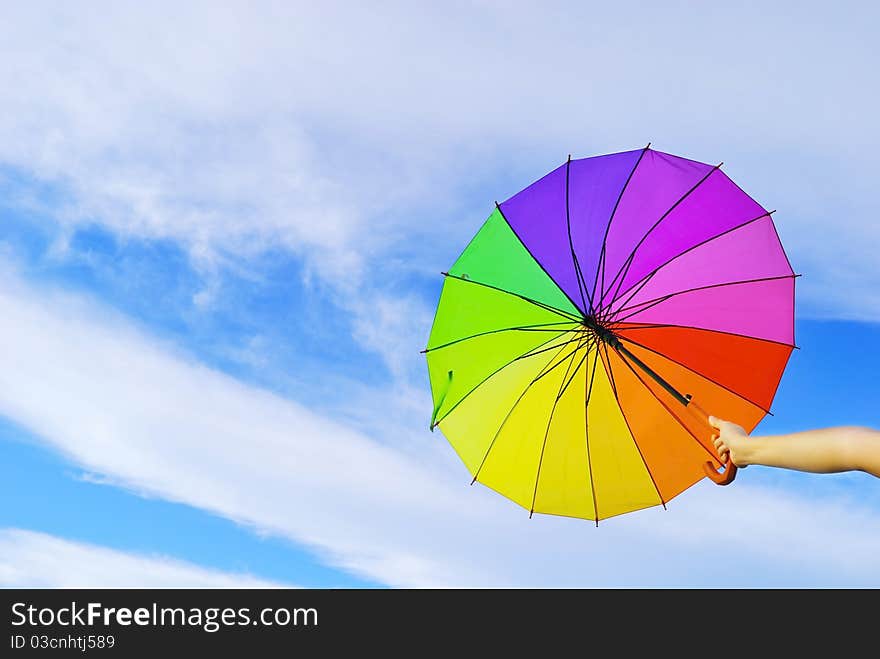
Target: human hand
column 731, row 441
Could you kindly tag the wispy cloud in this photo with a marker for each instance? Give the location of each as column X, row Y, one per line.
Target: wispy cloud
column 145, row 416
column 38, row 560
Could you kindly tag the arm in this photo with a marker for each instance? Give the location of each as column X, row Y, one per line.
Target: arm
column 829, row 450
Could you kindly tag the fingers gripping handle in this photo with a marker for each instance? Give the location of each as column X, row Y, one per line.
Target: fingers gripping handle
column 718, row 477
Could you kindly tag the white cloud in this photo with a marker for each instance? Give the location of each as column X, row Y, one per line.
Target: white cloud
column 146, row 417
column 346, row 132
column 394, row 327
column 38, row 560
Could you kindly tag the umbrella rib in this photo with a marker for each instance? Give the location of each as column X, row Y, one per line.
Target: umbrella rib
column 624, row 269
column 561, row 361
column 534, row 258
column 531, row 352
column 544, row 371
column 601, row 264
column 606, row 364
column 559, row 345
column 587, row 433
column 666, row 407
column 546, row 307
column 588, row 343
column 648, row 304
column 574, row 259
column 563, row 386
column 636, row 326
column 644, row 280
column 695, row 372
column 521, row 328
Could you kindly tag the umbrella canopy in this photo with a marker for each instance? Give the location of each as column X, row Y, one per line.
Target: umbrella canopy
column 589, row 319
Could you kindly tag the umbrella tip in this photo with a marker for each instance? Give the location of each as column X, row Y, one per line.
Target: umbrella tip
column 648, row 147
column 531, row 512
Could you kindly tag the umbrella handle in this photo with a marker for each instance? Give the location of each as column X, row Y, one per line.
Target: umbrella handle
column 718, row 477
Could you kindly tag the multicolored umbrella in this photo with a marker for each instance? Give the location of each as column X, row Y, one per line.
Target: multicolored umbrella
column 594, row 317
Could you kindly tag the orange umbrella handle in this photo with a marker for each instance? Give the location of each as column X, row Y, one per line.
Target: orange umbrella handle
column 718, row 477
column 721, row 478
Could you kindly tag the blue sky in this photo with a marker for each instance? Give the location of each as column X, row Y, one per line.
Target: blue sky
column 220, row 246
